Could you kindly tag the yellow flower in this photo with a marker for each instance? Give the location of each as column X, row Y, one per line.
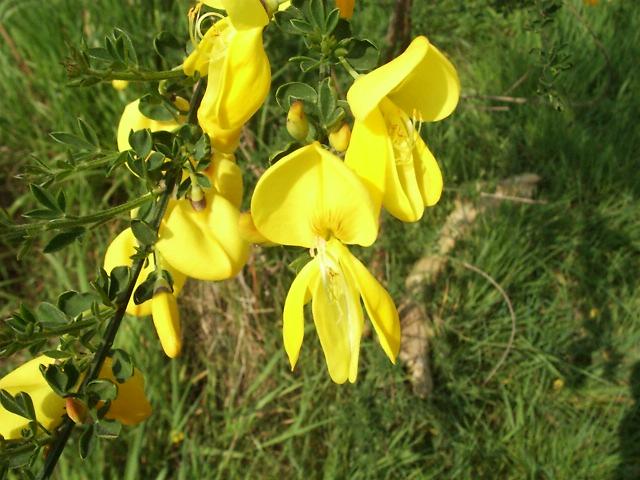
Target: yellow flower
column 133, row 119
column 386, row 149
column 162, row 306
column 130, row 407
column 346, row 8
column 310, row 199
column 232, row 57
column 119, row 253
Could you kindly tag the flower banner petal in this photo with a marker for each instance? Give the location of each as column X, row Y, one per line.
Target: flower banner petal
column 311, row 194
column 131, row 406
column 246, row 14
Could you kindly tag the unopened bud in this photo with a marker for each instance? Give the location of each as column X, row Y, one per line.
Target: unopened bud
column 197, row 198
column 297, row 123
column 75, row 410
column 166, row 318
column 271, row 6
column 119, row 84
column 346, row 8
column 181, row 104
column 340, row 138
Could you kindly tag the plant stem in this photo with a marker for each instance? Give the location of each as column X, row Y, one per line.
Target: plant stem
column 136, row 76
column 172, row 177
column 347, row 66
column 19, row 230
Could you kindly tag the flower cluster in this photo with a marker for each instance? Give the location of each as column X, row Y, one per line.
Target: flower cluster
column 321, row 197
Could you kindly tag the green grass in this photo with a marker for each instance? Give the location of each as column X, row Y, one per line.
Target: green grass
column 230, row 408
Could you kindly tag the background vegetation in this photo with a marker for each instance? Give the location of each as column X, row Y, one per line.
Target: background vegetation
column 564, row 404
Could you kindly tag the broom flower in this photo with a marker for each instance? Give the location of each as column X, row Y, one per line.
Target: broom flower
column 311, row 199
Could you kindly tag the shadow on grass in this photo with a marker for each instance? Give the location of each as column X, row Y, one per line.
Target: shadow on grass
column 629, row 433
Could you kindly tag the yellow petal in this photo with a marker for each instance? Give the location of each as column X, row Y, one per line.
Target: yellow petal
column 293, row 314
column 48, row 406
column 237, row 84
column 246, row 14
column 379, row 305
column 432, row 90
column 310, row 193
column 166, row 319
column 249, row 232
column 226, row 177
column 212, row 47
column 369, row 152
column 207, row 244
column 337, row 315
column 421, row 81
column 217, row 4
column 131, row 405
column 133, row 119
column 402, row 193
column 119, row 253
column 428, row 173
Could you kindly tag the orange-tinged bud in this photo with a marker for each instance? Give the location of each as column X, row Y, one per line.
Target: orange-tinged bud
column 346, row 8
column 76, row 411
column 339, row 139
column 119, row 84
column 297, row 123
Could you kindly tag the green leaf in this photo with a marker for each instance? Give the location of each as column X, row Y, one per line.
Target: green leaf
column 49, row 314
column 87, row 441
column 61, row 200
column 331, row 22
column 327, row 99
column 141, row 142
column 121, row 365
column 155, row 161
column 203, row 180
column 315, row 13
column 144, row 291
column 20, row 404
column 102, row 389
column 363, row 54
column 88, row 133
column 44, row 198
column 156, row 107
column 289, row 92
column 118, row 281
column 145, row 234
column 73, row 303
column 71, row 140
column 60, row 377
column 62, row 239
column 107, row 428
column 166, row 44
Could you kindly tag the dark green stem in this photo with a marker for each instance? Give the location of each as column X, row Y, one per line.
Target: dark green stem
column 136, row 76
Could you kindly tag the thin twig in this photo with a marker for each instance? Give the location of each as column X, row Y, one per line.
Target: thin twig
column 512, row 198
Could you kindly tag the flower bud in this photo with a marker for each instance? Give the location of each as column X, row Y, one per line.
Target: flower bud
column 166, row 318
column 346, row 8
column 271, row 6
column 197, row 198
column 297, row 123
column 339, row 139
column 76, row 411
column 119, row 84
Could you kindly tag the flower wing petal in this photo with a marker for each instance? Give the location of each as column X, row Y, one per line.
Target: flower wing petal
column 379, row 305
column 293, row 314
